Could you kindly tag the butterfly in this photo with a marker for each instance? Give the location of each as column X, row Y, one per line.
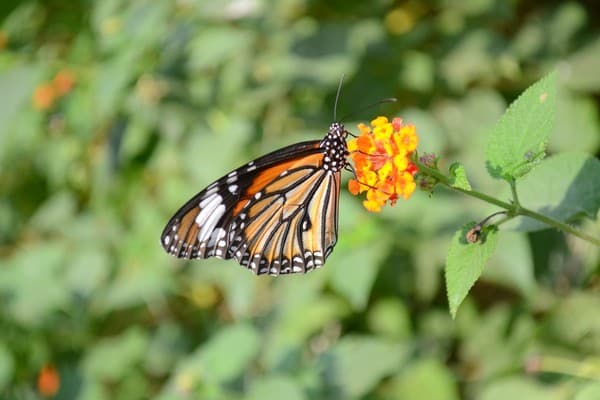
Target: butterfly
column 277, row 214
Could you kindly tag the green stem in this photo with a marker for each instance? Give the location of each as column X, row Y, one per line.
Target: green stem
column 513, row 189
column 513, row 209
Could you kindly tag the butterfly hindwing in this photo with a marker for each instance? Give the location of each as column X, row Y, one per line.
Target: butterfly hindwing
column 290, row 228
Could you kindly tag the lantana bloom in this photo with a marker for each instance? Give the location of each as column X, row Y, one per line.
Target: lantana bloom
column 381, row 155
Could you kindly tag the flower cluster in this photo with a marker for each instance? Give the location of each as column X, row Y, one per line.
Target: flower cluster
column 381, row 156
column 47, row 93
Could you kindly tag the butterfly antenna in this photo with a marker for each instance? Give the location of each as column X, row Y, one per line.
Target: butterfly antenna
column 337, row 98
column 368, row 106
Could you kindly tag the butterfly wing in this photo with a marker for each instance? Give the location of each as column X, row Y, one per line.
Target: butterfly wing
column 276, row 214
column 290, row 225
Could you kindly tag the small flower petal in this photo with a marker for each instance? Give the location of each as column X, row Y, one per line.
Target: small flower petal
column 354, row 186
column 379, row 121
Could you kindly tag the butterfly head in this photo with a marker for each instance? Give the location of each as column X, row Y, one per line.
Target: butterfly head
column 335, row 148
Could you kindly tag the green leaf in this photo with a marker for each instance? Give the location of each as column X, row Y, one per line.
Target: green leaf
column 578, row 116
column 582, row 332
column 390, row 318
column 228, row 353
column 354, row 271
column 518, row 141
column 589, row 391
column 112, row 358
column 458, row 176
column 17, row 83
column 582, row 68
column 7, row 365
column 33, row 285
column 210, row 47
column 344, row 366
column 294, row 325
column 511, row 265
column 564, row 187
column 520, row 388
column 465, row 262
column 425, row 379
column 275, row 388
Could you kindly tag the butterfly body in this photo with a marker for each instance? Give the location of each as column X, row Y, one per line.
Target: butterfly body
column 277, row 214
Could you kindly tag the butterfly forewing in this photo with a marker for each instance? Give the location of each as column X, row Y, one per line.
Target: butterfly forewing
column 277, row 214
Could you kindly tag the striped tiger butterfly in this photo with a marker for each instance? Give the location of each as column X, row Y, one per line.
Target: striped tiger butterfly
column 277, row 214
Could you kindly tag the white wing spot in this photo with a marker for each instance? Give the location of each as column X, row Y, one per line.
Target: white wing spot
column 233, row 189
column 209, row 216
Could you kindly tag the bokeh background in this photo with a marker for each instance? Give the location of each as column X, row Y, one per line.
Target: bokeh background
column 114, row 112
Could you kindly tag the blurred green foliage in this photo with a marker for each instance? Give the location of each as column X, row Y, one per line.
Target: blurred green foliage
column 114, row 112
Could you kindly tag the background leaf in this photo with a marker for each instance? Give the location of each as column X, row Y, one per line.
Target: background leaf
column 564, row 186
column 113, row 113
column 342, row 364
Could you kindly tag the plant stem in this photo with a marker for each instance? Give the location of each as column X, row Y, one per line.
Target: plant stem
column 513, row 189
column 513, row 209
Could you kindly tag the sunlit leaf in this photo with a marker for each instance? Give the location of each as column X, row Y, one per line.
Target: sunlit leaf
column 565, row 187
column 518, row 141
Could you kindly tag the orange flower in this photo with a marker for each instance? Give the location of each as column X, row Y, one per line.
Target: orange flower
column 381, row 157
column 63, row 81
column 48, row 381
column 44, row 97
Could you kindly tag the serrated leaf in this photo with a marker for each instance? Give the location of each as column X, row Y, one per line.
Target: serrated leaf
column 458, row 176
column 518, row 141
column 564, row 187
column 465, row 262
